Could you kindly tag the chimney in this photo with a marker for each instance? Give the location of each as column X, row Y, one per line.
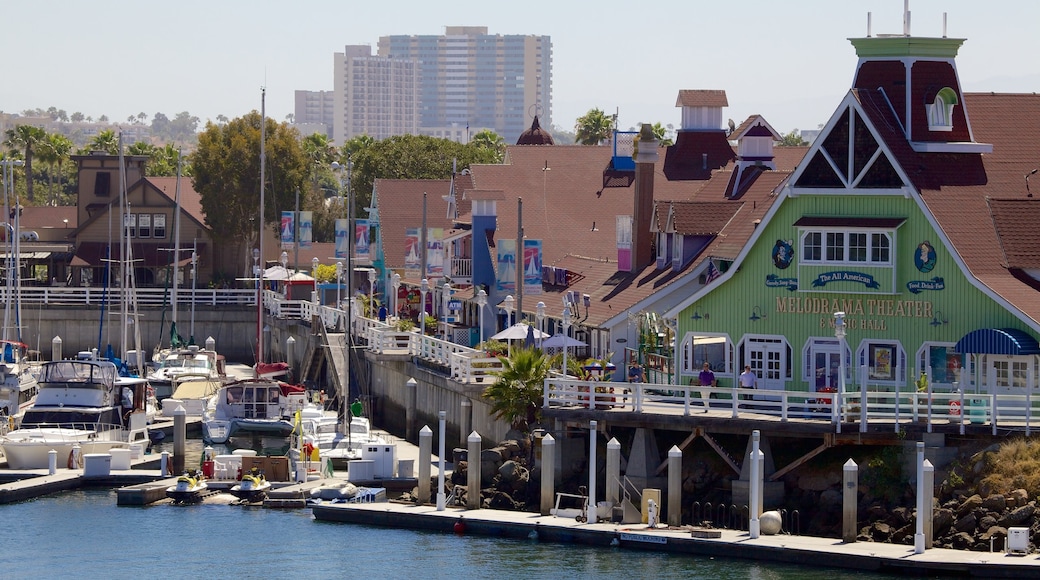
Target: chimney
column 645, row 157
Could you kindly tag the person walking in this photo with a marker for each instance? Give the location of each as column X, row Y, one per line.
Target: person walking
column 706, row 379
column 748, row 380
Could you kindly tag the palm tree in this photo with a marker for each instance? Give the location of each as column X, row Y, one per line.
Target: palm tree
column 60, row 147
column 593, row 127
column 26, row 138
column 488, row 139
column 517, row 394
column 105, row 141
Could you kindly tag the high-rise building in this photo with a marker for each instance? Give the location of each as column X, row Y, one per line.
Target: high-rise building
column 469, row 78
column 374, row 95
column 314, row 111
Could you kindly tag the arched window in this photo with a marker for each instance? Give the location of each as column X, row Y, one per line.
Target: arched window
column 940, row 111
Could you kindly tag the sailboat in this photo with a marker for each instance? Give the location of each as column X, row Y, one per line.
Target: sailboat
column 261, row 405
column 18, row 386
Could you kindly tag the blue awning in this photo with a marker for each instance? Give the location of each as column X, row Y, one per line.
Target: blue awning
column 998, row 341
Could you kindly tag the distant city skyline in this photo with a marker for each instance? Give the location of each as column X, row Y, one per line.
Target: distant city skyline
column 788, row 61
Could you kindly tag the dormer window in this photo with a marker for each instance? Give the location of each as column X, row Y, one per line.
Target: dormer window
column 940, row 111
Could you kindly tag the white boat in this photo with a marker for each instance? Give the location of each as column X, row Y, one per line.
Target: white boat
column 179, row 365
column 333, row 444
column 79, row 403
column 193, row 396
column 18, row 385
column 252, row 407
column 188, row 489
column 252, row 488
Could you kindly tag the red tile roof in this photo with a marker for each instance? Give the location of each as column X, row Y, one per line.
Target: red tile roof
column 701, row 98
column 956, row 193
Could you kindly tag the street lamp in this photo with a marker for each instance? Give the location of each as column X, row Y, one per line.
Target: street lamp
column 539, row 316
column 371, row 293
column 507, row 305
column 424, row 287
column 481, row 303
column 339, row 276
column 839, row 333
column 397, row 286
column 447, row 305
column 566, row 335
column 256, row 266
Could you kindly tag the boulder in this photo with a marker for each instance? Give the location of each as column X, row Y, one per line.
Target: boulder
column 966, row 524
column 1017, row 516
column 962, row 541
column 819, row 481
column 995, row 503
column 969, row 505
column 942, row 519
column 1018, row 498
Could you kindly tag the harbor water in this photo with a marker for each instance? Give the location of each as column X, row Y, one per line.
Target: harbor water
column 83, row 534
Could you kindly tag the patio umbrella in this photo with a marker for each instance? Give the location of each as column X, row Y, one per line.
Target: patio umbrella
column 529, row 339
column 519, row 331
column 561, row 341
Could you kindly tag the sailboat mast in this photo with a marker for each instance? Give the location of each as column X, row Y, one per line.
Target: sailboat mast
column 9, row 237
column 176, row 243
column 125, row 263
column 260, row 244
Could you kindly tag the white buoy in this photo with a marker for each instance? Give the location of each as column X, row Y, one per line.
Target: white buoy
column 770, row 523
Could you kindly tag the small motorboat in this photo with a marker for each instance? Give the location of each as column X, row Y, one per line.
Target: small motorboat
column 188, row 489
column 253, row 487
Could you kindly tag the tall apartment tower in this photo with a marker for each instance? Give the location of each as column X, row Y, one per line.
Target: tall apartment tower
column 313, row 112
column 470, row 78
column 375, row 95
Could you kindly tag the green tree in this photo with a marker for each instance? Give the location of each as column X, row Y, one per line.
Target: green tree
column 593, row 127
column 792, row 139
column 26, row 139
column 409, row 157
column 106, row 141
column 488, row 139
column 226, row 173
column 59, row 148
column 517, row 394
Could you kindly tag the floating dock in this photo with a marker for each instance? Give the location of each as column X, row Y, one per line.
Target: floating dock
column 878, row 557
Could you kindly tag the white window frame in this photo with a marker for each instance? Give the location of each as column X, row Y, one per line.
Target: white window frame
column 748, row 343
column 923, row 358
column 816, row 344
column 691, row 362
column 143, row 230
column 825, row 246
column 156, row 218
column 898, row 362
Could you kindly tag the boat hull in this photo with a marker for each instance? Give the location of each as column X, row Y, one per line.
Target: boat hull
column 186, row 491
column 30, row 448
column 250, row 492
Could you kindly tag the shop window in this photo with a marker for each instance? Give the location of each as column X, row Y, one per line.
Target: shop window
column 846, row 246
column 885, row 362
column 144, row 225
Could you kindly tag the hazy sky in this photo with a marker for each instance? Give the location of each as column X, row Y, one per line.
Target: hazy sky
column 788, row 60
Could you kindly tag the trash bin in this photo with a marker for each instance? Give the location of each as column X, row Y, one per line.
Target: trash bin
column 977, row 410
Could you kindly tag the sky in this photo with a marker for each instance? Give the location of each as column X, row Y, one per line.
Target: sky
column 788, row 60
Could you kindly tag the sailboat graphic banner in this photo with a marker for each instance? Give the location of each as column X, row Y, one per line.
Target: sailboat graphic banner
column 435, row 253
column 306, row 228
column 532, row 267
column 288, row 229
column 361, row 250
column 411, row 250
column 342, row 241
column 506, row 265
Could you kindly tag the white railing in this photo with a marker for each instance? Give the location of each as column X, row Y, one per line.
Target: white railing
column 74, row 295
column 884, row 407
column 461, row 267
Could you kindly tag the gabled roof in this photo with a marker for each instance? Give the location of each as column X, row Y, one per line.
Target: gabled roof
column 701, row 98
column 754, row 126
column 1016, row 223
column 963, row 207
